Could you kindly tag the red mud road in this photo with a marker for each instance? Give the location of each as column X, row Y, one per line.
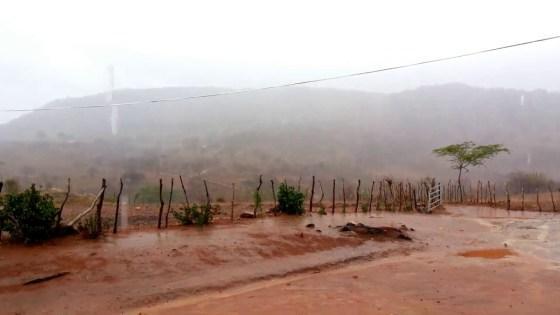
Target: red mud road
column 457, row 264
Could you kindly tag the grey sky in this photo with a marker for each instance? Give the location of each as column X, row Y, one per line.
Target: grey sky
column 55, row 49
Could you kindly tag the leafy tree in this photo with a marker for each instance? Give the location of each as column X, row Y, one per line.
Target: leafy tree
column 290, row 200
column 28, row 216
column 468, row 154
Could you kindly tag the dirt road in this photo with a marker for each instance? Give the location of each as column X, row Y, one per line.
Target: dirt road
column 457, row 263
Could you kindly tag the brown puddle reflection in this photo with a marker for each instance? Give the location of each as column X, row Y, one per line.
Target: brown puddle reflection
column 495, row 253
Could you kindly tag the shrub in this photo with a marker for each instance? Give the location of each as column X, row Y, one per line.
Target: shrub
column 199, row 215
column 365, row 207
column 322, row 209
column 88, row 228
column 290, row 201
column 28, row 216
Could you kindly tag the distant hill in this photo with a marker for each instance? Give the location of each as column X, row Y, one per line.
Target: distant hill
column 284, row 132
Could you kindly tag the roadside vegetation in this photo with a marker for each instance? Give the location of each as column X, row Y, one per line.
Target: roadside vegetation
column 290, row 200
column 29, row 216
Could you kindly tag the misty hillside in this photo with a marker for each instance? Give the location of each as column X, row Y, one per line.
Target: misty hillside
column 284, row 133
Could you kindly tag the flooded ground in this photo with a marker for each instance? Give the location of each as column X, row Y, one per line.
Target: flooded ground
column 277, row 265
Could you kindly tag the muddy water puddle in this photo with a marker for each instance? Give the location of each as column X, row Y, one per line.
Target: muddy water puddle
column 494, row 253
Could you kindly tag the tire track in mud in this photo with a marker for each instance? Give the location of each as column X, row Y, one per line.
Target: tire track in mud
column 252, row 283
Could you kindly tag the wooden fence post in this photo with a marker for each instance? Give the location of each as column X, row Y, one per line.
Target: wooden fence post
column 184, row 191
column 508, row 200
column 273, row 193
column 538, row 201
column 118, row 207
column 378, row 202
column 99, row 226
column 400, row 196
column 322, row 195
column 343, row 197
column 232, row 199
column 371, row 195
column 257, row 192
column 312, row 193
column 357, row 197
column 552, row 199
column 522, row 198
column 59, row 213
column 161, row 203
column 208, row 201
column 333, row 194
column 169, row 204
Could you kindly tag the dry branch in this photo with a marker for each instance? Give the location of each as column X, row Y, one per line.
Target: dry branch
column 47, row 278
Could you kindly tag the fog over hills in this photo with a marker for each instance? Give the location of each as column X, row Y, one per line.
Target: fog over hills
column 287, row 132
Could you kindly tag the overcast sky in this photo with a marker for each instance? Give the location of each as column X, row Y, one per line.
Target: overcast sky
column 55, row 49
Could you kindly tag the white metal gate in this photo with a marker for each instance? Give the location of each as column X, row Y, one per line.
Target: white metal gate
column 434, row 197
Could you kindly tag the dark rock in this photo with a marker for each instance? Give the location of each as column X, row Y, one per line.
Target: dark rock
column 310, row 225
column 380, row 232
column 247, row 215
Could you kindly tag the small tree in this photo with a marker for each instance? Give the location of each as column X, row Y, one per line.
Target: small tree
column 468, row 154
column 290, row 200
column 28, row 216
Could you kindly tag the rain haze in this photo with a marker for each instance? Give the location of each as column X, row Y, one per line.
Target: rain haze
column 279, row 157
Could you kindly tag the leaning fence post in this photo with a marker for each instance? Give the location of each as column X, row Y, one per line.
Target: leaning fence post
column 184, row 191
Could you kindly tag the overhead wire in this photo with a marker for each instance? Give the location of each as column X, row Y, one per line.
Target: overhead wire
column 250, row 90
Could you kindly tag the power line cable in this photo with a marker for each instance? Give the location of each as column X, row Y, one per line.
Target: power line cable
column 243, row 91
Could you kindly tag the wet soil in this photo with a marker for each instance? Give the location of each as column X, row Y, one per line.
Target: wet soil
column 276, row 265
